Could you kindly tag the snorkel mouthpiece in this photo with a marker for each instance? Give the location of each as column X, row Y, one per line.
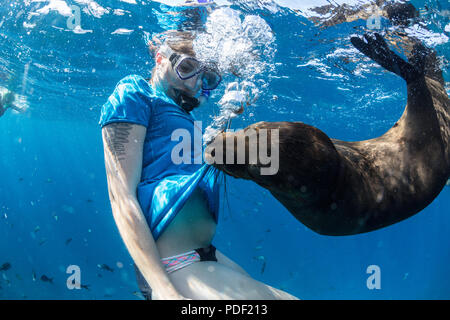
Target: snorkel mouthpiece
column 186, row 102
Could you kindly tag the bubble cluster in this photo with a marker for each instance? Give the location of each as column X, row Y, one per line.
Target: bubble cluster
column 240, row 46
column 244, row 47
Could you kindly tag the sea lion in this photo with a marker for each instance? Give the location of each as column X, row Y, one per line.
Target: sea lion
column 329, row 15
column 343, row 188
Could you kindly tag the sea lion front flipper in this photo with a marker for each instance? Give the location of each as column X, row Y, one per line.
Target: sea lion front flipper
column 377, row 49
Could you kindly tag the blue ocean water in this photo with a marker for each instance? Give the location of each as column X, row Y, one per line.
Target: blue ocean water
column 54, row 205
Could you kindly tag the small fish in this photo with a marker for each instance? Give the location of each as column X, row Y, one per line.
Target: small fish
column 89, row 200
column 85, row 286
column 105, row 267
column 263, row 259
column 46, row 279
column 37, row 229
column 43, row 240
column 33, row 275
column 99, row 275
column 263, row 267
column 68, row 241
column 5, row 266
column 20, row 179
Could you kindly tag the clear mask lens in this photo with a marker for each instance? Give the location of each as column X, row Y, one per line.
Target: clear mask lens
column 210, row 80
column 187, row 68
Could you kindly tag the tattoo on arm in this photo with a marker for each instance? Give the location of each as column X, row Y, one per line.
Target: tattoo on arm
column 116, row 137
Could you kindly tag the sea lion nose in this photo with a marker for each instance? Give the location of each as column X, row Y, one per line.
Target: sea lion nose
column 215, row 149
column 225, row 154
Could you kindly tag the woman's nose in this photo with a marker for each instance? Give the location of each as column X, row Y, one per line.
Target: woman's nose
column 194, row 83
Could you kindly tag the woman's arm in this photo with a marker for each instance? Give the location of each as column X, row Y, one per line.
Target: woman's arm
column 123, row 148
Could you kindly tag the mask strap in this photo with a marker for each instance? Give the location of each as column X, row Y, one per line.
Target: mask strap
column 169, row 53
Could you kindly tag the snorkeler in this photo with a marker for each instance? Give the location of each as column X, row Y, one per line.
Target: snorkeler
column 6, row 102
column 167, row 213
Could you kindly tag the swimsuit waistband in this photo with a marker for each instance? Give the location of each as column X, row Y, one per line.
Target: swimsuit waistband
column 182, row 260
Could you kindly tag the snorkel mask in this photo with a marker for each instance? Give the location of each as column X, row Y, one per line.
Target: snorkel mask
column 187, row 67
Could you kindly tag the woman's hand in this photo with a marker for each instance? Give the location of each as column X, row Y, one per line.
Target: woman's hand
column 238, row 96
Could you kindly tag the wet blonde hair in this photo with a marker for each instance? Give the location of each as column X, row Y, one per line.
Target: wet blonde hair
column 179, row 41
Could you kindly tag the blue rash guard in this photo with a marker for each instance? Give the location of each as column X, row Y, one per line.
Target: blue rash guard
column 164, row 186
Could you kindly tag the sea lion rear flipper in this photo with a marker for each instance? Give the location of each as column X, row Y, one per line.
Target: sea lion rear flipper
column 378, row 50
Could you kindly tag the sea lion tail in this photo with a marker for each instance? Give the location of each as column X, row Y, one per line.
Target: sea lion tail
column 377, row 49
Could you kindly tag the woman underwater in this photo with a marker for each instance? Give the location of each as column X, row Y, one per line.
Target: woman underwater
column 167, row 213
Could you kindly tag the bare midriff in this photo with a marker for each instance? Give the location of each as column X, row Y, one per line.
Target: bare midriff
column 193, row 227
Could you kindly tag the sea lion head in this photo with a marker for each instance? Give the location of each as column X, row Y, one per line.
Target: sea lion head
column 274, row 155
column 230, row 152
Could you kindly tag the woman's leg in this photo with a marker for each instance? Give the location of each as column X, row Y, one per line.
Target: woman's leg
column 208, row 280
column 223, row 259
column 143, row 284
